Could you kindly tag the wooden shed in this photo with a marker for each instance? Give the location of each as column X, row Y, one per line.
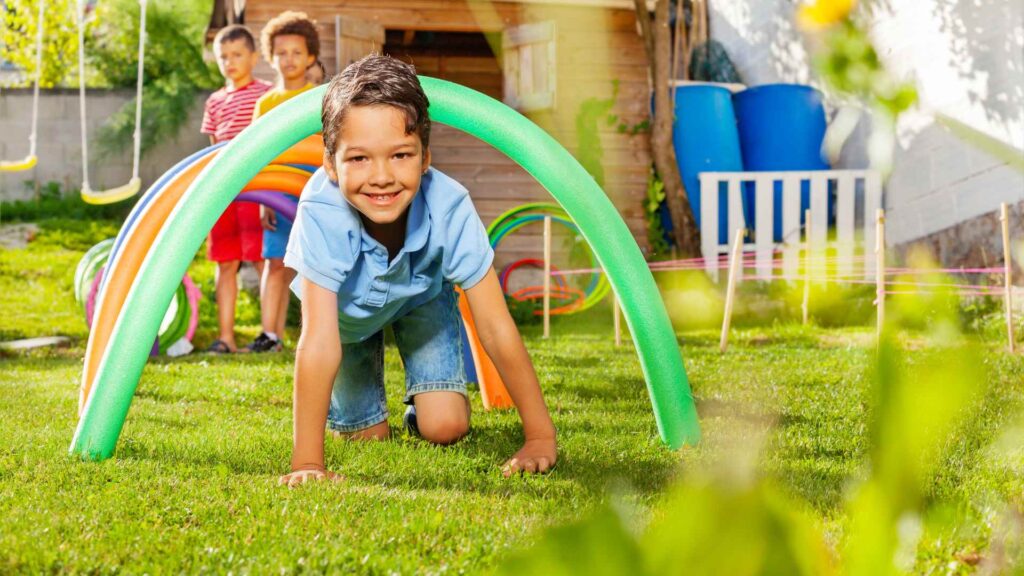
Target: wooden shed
column 575, row 67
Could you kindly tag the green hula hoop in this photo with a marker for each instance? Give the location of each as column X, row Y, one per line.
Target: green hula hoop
column 88, row 265
column 599, row 287
column 178, row 326
column 555, row 209
column 217, row 185
column 98, row 256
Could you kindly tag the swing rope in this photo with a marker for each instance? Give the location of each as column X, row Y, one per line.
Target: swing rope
column 28, row 162
column 135, row 184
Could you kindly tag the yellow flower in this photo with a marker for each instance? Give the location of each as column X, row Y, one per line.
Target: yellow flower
column 823, row 13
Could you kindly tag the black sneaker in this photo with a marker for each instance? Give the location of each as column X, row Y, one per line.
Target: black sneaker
column 410, row 421
column 264, row 343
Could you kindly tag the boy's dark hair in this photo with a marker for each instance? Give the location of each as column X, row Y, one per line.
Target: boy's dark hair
column 290, row 23
column 375, row 80
column 235, row 32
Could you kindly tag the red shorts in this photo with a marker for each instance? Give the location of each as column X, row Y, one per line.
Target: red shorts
column 237, row 235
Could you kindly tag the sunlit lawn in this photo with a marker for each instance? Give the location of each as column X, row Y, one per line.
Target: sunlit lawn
column 193, row 484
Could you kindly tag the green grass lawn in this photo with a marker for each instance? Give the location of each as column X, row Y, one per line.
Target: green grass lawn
column 193, row 485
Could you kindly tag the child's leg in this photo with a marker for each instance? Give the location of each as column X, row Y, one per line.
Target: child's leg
column 430, row 343
column 282, row 311
column 359, row 409
column 226, row 290
column 442, row 417
column 225, row 248
column 274, row 292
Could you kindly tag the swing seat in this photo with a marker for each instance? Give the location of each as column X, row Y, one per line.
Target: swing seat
column 112, row 195
column 26, row 163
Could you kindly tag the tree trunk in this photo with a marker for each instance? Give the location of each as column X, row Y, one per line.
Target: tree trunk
column 657, row 40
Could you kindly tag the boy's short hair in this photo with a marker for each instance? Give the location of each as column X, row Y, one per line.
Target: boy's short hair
column 375, row 80
column 235, row 32
column 290, row 23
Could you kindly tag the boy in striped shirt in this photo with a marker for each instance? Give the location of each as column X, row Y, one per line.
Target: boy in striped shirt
column 237, row 236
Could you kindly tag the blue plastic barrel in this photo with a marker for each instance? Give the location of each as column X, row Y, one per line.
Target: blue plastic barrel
column 706, row 140
column 781, row 127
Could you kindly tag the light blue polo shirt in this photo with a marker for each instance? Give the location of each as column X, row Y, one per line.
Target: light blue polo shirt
column 444, row 241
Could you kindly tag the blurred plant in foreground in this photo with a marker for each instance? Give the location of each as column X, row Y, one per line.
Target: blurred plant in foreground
column 847, row 61
column 723, row 522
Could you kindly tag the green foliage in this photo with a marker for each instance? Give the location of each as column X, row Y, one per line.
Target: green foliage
column 915, row 408
column 652, row 214
column 704, row 526
column 193, row 486
column 847, row 61
column 175, row 71
column 55, row 202
column 724, row 526
column 850, row 64
column 523, row 312
column 589, row 152
column 60, row 40
column 692, row 300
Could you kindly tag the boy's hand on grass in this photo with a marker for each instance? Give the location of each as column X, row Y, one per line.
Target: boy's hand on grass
column 535, row 457
column 268, row 218
column 299, row 477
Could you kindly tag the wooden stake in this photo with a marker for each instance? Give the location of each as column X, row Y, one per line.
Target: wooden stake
column 547, row 276
column 617, row 320
column 806, row 306
column 730, row 291
column 1004, row 219
column 880, row 267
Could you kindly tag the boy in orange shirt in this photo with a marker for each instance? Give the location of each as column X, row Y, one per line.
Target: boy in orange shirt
column 291, row 45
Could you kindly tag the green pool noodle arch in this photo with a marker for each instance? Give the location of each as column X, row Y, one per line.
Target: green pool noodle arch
column 217, row 185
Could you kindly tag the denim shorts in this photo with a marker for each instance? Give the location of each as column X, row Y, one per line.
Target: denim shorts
column 275, row 241
column 430, row 345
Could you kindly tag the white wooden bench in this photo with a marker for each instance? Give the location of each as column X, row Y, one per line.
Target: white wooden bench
column 852, row 235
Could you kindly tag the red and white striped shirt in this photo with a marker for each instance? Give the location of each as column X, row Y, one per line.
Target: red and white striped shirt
column 228, row 112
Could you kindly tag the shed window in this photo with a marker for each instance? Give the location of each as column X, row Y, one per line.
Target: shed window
column 529, row 66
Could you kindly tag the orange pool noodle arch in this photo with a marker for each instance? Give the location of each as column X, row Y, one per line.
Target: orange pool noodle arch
column 140, row 238
column 111, row 299
column 492, row 388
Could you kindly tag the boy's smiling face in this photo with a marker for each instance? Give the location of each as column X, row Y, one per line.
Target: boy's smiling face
column 378, row 166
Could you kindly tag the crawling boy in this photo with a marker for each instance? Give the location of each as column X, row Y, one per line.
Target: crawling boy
column 381, row 238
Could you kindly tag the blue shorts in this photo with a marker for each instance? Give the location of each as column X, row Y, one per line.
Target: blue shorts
column 275, row 241
column 430, row 344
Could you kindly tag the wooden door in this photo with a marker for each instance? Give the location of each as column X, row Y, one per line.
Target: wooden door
column 352, row 39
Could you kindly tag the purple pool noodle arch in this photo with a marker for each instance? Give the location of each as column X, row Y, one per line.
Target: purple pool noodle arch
column 279, row 202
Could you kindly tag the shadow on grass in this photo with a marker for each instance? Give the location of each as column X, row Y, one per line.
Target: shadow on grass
column 718, row 408
column 472, row 465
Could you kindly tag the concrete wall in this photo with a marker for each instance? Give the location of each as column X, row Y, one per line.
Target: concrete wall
column 59, row 141
column 968, row 61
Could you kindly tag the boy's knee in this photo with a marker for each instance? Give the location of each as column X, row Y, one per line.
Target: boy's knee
column 229, row 267
column 446, row 428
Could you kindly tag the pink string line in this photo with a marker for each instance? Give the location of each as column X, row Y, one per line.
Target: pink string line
column 752, row 263
column 962, row 289
column 993, row 292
